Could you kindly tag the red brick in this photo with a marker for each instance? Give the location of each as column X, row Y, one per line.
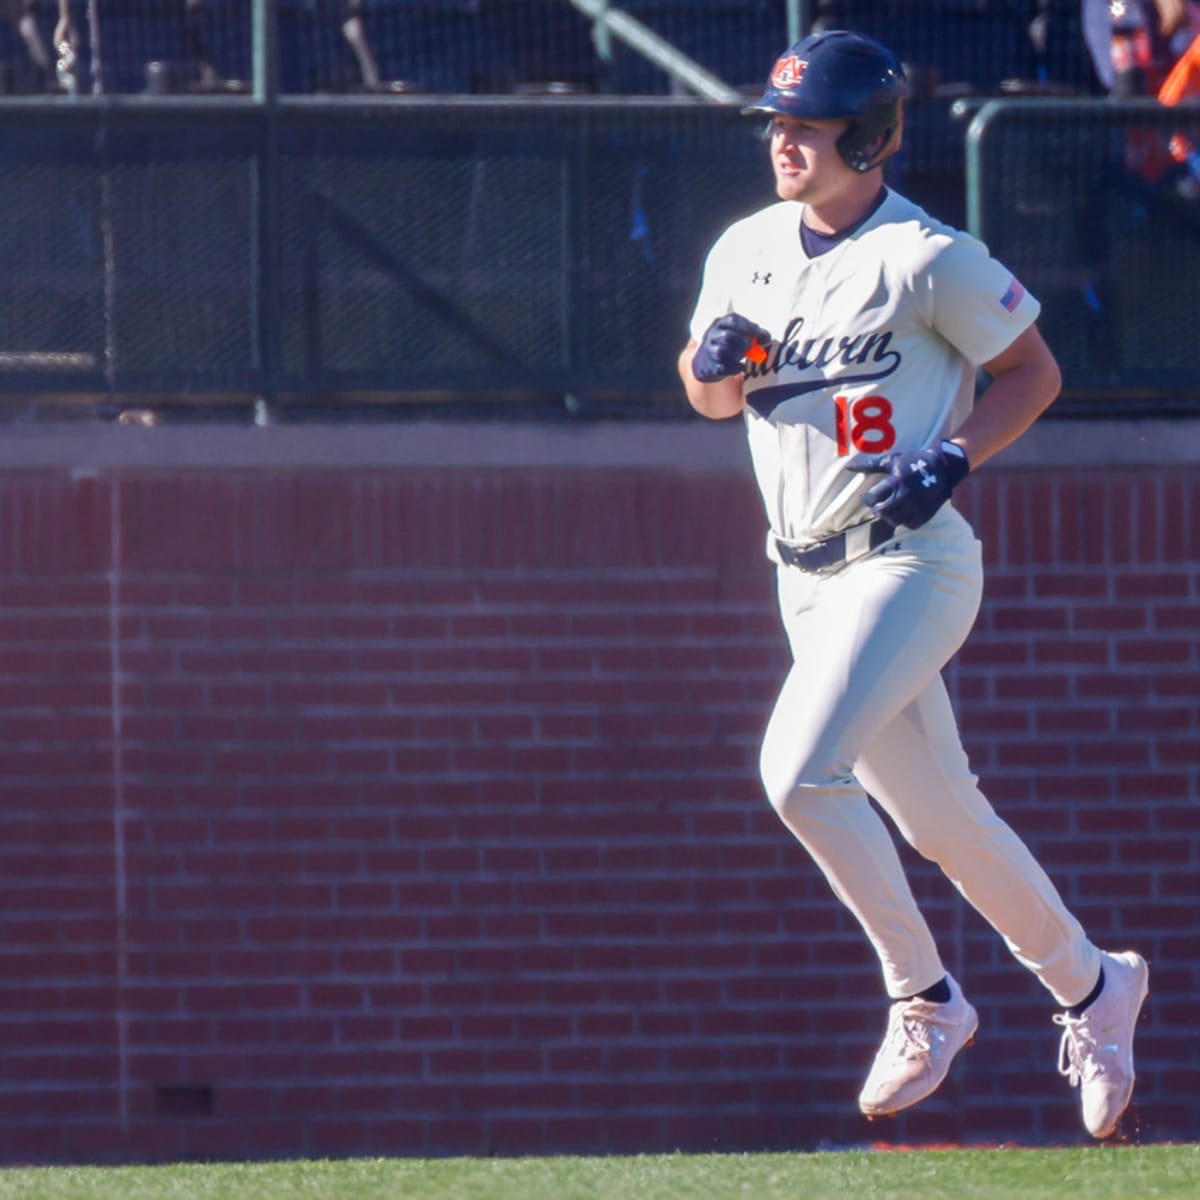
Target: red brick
column 1033, row 687
column 533, row 795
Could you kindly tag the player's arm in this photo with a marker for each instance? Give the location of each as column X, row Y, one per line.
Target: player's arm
column 712, row 369
column 1025, row 382
column 723, row 398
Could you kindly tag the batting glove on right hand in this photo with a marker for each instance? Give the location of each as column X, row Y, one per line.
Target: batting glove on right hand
column 915, row 485
column 723, row 348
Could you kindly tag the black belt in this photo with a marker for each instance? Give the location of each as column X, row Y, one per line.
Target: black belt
column 833, row 551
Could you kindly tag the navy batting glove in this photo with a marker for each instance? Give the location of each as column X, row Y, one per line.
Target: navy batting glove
column 916, row 484
column 723, row 348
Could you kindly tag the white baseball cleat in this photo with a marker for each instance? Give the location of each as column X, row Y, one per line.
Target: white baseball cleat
column 920, row 1044
column 1096, row 1051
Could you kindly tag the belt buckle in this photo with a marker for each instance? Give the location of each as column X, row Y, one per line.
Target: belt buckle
column 817, row 557
column 878, row 533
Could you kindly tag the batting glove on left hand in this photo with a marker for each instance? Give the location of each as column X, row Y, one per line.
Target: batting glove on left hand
column 916, row 484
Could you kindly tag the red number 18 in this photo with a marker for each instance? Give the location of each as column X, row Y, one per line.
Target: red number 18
column 865, row 424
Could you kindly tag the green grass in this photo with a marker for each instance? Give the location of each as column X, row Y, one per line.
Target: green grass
column 1092, row 1173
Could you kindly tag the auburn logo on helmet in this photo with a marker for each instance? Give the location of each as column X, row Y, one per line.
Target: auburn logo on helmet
column 788, row 72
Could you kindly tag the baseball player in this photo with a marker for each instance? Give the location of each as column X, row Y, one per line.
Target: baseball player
column 846, row 325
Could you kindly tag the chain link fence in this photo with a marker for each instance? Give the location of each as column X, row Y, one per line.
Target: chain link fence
column 373, row 251
column 174, row 242
column 485, row 252
column 1085, row 202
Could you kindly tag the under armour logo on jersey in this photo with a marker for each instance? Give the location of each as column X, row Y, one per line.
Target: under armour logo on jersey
column 765, row 278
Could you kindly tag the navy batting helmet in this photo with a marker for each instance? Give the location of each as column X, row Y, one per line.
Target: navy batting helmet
column 838, row 74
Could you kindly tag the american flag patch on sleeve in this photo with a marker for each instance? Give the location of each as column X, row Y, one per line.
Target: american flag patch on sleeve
column 1013, row 296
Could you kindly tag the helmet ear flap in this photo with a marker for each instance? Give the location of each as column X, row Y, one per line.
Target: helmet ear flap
column 864, row 144
column 871, row 140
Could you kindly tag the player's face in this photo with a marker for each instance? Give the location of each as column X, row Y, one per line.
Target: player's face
column 805, row 158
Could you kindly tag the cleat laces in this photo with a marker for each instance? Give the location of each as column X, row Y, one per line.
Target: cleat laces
column 912, row 1034
column 919, row 1044
column 1079, row 1053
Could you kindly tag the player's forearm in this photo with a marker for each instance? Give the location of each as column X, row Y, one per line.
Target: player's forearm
column 1025, row 382
column 724, row 398
column 1004, row 412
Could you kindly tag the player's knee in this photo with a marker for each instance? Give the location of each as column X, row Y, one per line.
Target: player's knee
column 778, row 774
column 791, row 808
column 787, row 778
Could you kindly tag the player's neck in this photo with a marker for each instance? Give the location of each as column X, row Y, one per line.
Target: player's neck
column 850, row 208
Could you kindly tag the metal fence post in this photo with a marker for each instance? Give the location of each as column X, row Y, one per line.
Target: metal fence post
column 799, row 19
column 265, row 33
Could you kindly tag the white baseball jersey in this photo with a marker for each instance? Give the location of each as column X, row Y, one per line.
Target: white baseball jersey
column 874, row 348
column 875, row 345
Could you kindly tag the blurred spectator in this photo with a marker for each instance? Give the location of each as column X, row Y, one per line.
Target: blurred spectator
column 1135, row 43
column 355, row 33
column 66, row 49
column 1183, row 84
column 195, row 29
column 1146, row 39
column 1097, row 34
column 1064, row 62
column 1153, row 51
column 23, row 16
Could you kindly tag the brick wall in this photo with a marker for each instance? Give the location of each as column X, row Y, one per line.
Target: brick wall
column 358, row 804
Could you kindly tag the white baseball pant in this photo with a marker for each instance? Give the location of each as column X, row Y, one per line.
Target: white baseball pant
column 864, row 710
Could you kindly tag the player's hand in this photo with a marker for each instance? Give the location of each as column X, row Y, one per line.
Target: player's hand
column 723, row 348
column 916, row 484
